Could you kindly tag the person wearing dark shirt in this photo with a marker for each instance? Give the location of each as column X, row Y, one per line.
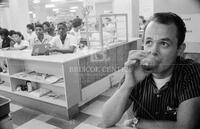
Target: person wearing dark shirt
column 5, row 39
column 165, row 90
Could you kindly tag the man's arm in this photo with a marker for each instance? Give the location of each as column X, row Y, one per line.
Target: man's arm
column 114, row 108
column 20, row 48
column 188, row 117
column 65, row 50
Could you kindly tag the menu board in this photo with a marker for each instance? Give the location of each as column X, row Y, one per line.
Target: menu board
column 192, row 38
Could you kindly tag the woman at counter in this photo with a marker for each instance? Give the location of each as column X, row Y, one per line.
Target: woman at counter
column 63, row 42
column 20, row 43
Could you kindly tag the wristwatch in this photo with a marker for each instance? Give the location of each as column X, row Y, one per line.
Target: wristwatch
column 135, row 122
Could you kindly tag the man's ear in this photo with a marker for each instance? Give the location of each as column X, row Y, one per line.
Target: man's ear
column 181, row 49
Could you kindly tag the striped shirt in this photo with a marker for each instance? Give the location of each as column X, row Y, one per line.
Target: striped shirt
column 153, row 104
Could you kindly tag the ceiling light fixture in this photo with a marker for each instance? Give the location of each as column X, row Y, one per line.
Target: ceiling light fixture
column 75, row 7
column 30, row 12
column 55, row 10
column 36, row 1
column 57, row 0
column 72, row 11
column 34, row 15
column 49, row 6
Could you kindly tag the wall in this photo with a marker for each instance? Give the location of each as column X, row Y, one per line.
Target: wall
column 181, row 7
column 177, row 6
column 16, row 16
column 101, row 7
column 146, row 8
column 131, row 7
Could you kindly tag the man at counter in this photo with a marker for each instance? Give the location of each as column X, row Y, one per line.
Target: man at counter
column 63, row 42
column 41, row 38
column 166, row 96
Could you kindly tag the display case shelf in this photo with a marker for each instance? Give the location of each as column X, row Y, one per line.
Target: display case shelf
column 17, row 76
column 57, row 101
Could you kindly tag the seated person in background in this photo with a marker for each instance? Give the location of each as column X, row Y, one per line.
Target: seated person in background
column 95, row 37
column 142, row 22
column 76, row 26
column 165, row 96
column 48, row 30
column 4, row 33
column 109, row 26
column 41, row 38
column 63, row 42
column 30, row 32
column 12, row 41
column 20, row 43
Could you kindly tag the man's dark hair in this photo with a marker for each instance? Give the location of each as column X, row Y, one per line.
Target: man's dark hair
column 46, row 23
column 170, row 18
column 39, row 25
column 30, row 26
column 62, row 23
column 76, row 22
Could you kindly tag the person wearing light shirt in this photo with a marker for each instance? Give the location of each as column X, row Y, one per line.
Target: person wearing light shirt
column 30, row 33
column 41, row 37
column 20, row 44
column 76, row 26
column 63, row 42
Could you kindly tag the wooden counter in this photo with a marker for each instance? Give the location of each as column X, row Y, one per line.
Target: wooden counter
column 86, row 74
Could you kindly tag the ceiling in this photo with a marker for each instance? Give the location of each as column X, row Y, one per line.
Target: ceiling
column 63, row 7
column 62, row 4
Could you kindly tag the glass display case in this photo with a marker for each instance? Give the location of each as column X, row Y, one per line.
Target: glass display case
column 101, row 31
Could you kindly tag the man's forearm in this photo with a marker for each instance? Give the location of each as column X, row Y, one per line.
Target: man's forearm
column 147, row 124
column 114, row 108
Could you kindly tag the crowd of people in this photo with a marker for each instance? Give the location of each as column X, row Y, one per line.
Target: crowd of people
column 63, row 37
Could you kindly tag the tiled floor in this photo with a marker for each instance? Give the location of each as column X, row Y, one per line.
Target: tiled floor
column 89, row 117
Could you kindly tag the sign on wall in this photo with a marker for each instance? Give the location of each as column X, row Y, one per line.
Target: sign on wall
column 192, row 38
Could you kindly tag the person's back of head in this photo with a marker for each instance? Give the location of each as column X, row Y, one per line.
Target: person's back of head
column 30, row 27
column 4, row 32
column 168, row 18
column 77, row 22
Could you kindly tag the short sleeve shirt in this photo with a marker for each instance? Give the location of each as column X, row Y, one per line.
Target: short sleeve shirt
column 69, row 41
column 153, row 104
column 45, row 40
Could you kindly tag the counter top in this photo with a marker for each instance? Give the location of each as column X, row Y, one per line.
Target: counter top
column 56, row 58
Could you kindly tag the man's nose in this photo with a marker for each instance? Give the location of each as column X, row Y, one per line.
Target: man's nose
column 154, row 50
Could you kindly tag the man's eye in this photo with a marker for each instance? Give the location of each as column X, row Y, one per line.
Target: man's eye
column 164, row 44
column 149, row 42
